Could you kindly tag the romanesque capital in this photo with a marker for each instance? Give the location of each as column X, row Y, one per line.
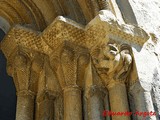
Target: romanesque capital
column 69, row 63
column 113, row 62
column 18, row 66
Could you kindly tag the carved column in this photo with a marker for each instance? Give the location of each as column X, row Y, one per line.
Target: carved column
column 19, row 69
column 113, row 64
column 46, row 87
column 71, row 91
column 143, row 102
column 70, row 73
column 118, row 100
column 72, row 103
column 96, row 104
column 25, row 105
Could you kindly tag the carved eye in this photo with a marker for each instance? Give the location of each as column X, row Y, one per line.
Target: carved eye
column 113, row 48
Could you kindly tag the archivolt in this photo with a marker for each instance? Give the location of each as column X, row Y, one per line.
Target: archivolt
column 22, row 12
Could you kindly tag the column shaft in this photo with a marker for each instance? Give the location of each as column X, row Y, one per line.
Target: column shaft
column 25, row 105
column 96, row 104
column 118, row 100
column 143, row 103
column 72, row 104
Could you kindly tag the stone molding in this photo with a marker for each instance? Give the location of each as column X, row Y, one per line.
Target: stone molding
column 22, row 12
column 98, row 31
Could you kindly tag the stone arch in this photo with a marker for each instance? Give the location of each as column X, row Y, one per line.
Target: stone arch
column 21, row 12
column 4, row 25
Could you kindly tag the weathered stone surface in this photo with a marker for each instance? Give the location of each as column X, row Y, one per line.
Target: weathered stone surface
column 92, row 56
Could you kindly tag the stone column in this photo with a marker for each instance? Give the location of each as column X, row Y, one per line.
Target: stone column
column 72, row 103
column 19, row 69
column 25, row 105
column 118, row 100
column 143, row 102
column 96, row 104
column 72, row 67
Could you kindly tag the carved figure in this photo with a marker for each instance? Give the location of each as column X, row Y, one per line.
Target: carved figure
column 113, row 61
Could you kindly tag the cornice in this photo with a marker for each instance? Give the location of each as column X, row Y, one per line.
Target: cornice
column 100, row 30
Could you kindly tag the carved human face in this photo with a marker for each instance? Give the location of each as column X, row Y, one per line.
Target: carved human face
column 108, row 58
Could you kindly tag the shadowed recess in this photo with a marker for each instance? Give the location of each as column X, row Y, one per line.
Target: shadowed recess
column 7, row 90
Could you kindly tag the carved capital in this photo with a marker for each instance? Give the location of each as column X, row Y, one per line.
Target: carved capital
column 27, row 69
column 38, row 63
column 43, row 77
column 82, row 64
column 113, row 62
column 71, row 66
column 36, row 69
column 19, row 69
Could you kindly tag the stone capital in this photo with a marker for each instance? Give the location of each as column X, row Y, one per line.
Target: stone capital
column 69, row 64
column 113, row 62
column 18, row 66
